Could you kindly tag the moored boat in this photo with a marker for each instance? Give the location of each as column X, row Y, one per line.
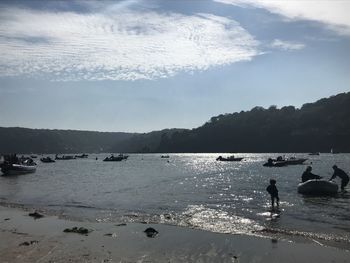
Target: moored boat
column 280, row 162
column 113, row 159
column 314, row 153
column 64, row 157
column 230, row 159
column 318, row 187
column 294, row 161
column 81, row 156
column 16, row 169
column 47, row 160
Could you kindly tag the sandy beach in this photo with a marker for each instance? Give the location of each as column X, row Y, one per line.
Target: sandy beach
column 25, row 239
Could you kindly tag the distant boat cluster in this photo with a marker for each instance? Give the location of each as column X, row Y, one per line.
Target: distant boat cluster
column 14, row 165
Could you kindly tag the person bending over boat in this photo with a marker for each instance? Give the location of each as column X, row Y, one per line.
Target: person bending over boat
column 308, row 175
column 343, row 175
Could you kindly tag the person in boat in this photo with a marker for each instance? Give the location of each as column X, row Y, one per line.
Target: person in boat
column 273, row 191
column 308, row 175
column 341, row 174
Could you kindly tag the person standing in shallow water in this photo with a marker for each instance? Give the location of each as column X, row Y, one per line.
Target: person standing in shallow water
column 343, row 175
column 273, row 191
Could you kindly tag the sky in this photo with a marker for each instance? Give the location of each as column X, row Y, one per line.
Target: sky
column 144, row 65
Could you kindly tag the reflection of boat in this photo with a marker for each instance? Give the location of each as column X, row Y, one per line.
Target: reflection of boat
column 229, row 159
column 82, row 156
column 318, row 187
column 16, row 169
column 64, row 157
column 113, row 159
column 47, row 160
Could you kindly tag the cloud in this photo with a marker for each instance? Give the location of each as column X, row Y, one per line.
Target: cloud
column 117, row 43
column 286, row 45
column 334, row 14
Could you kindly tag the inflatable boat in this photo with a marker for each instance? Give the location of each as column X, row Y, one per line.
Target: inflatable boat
column 318, row 187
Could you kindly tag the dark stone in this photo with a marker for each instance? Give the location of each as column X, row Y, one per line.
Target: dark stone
column 80, row 230
column 28, row 243
column 151, row 232
column 36, row 215
column 122, row 224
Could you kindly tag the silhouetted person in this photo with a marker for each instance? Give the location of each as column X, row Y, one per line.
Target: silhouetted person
column 343, row 175
column 273, row 191
column 308, row 175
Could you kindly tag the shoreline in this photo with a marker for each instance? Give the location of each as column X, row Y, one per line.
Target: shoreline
column 24, row 239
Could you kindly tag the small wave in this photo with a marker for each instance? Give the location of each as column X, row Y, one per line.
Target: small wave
column 201, row 217
column 72, row 206
column 304, row 234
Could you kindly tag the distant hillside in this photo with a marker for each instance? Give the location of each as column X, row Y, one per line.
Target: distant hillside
column 145, row 142
column 319, row 126
column 23, row 140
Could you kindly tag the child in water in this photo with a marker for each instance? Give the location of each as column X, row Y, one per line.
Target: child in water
column 273, row 191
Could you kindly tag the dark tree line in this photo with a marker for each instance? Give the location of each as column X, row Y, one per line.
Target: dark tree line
column 23, row 140
column 319, row 126
column 315, row 127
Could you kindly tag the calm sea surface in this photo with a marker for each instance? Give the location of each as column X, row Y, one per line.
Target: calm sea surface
column 190, row 190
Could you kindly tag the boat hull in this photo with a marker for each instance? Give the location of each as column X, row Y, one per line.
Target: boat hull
column 318, row 187
column 17, row 169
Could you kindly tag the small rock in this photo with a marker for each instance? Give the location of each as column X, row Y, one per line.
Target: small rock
column 28, row 243
column 80, row 230
column 36, row 215
column 114, row 235
column 151, row 232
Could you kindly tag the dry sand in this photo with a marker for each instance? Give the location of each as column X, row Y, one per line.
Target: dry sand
column 110, row 242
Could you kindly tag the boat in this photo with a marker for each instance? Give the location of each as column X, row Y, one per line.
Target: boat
column 113, row 159
column 165, row 156
column 231, row 158
column 47, row 160
column 280, row 162
column 294, row 161
column 81, row 156
column 272, row 163
column 314, row 153
column 318, row 187
column 16, row 169
column 65, row 157
column 123, row 156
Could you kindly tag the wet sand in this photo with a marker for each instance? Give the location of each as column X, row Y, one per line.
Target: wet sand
column 24, row 239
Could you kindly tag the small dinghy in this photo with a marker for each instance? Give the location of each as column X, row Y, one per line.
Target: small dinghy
column 318, row 187
column 16, row 169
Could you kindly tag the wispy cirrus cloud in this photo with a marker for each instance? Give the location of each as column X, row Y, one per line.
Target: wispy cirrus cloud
column 117, row 43
column 286, row 45
column 334, row 14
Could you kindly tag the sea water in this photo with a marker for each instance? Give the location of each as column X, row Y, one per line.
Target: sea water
column 189, row 190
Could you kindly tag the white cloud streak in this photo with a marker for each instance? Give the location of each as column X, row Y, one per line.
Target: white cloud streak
column 286, row 45
column 117, row 45
column 333, row 13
